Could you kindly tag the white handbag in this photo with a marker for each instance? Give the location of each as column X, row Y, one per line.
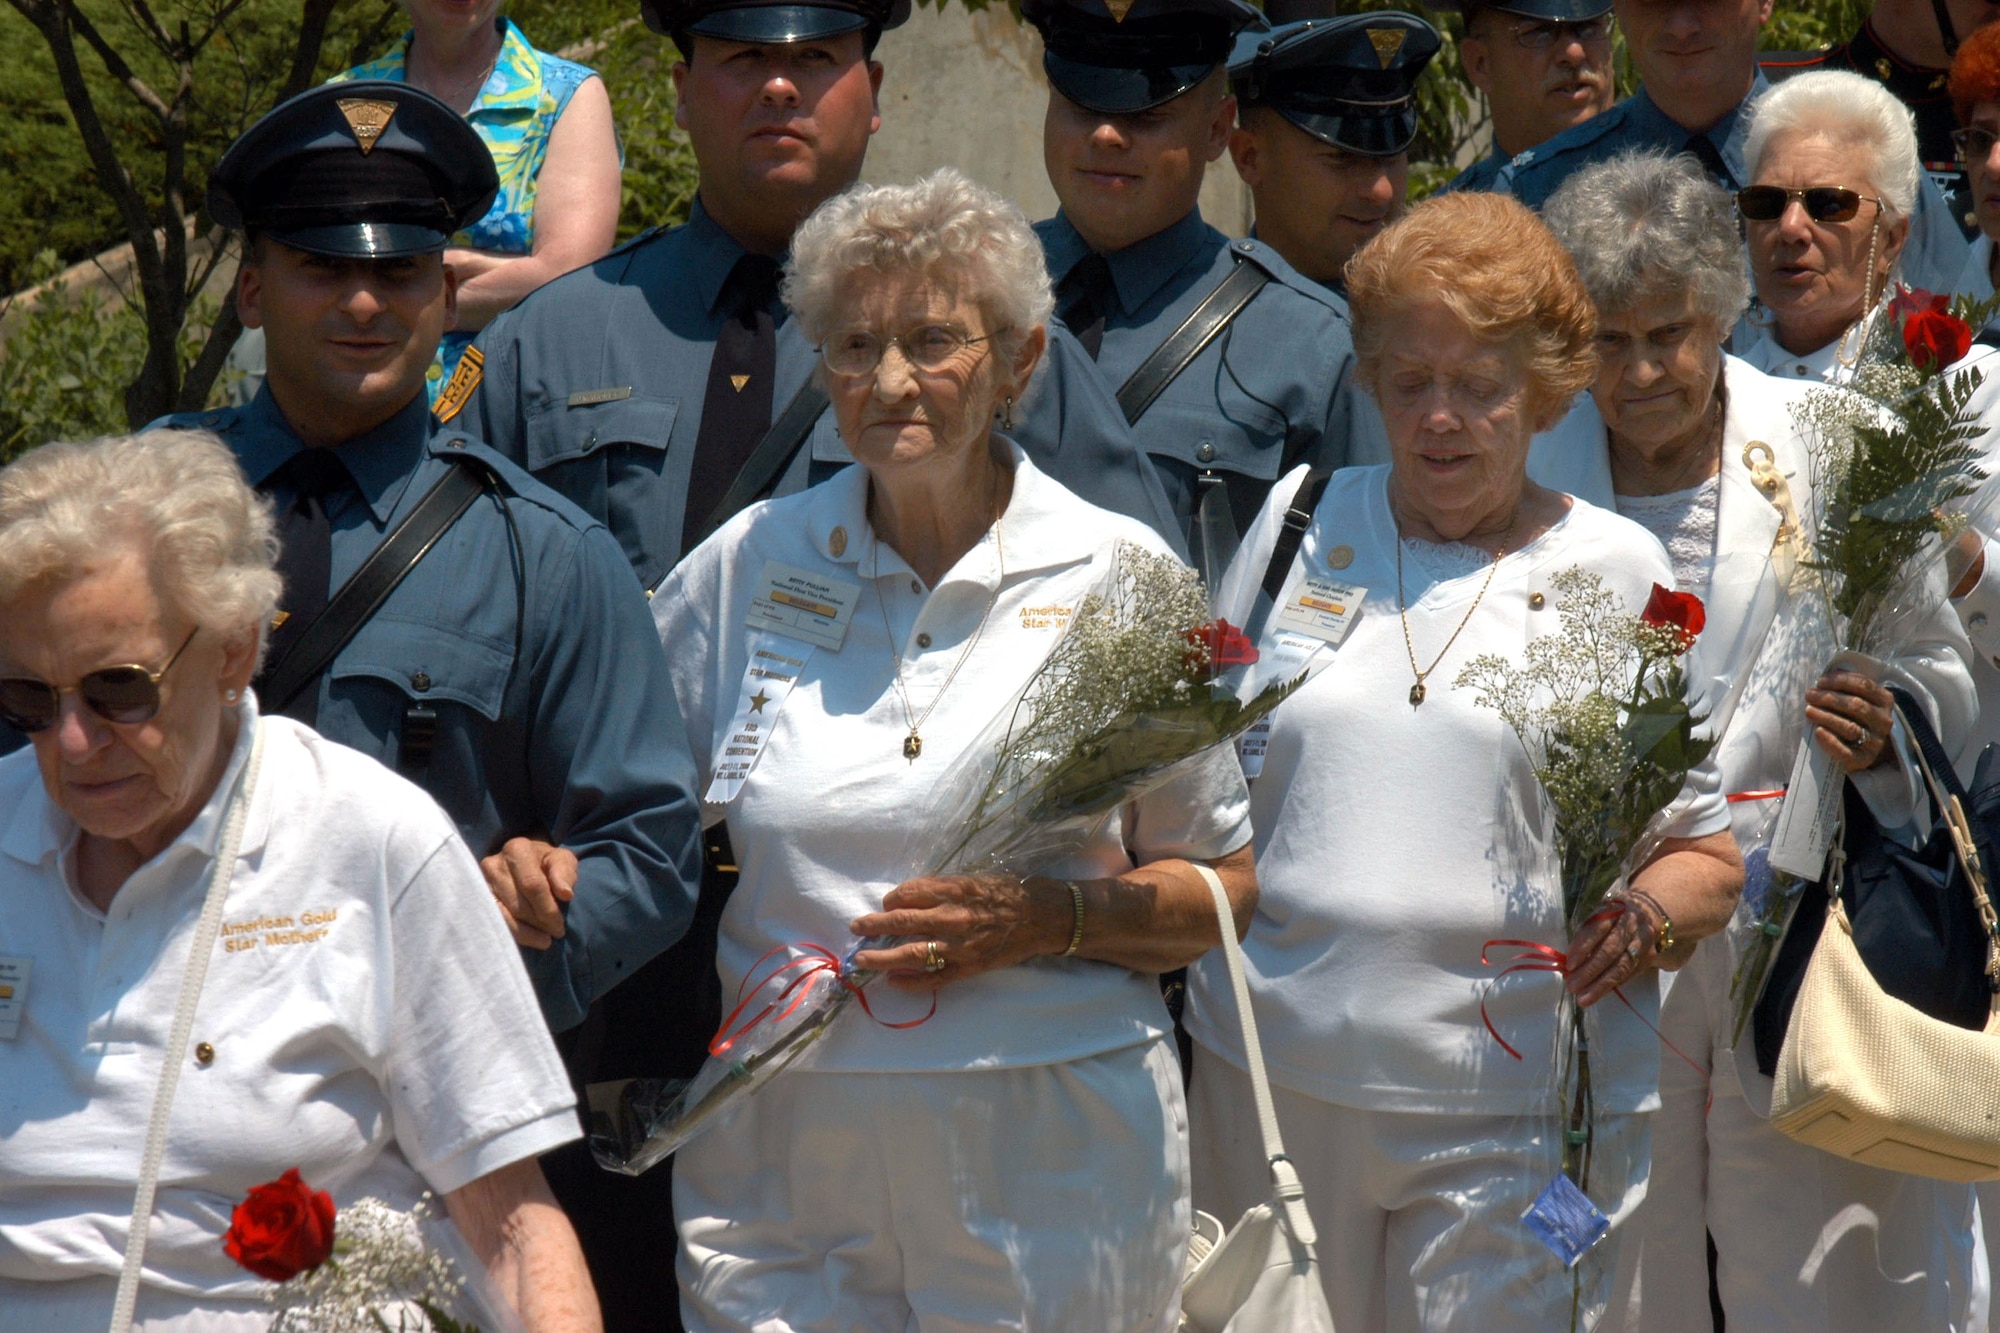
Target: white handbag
column 1263, row 1276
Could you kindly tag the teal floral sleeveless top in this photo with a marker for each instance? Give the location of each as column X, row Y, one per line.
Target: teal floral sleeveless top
column 515, row 113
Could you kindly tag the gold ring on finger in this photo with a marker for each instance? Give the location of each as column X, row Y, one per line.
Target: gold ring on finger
column 933, row 957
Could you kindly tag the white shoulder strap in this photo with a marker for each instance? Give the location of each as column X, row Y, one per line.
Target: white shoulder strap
column 1284, row 1177
column 205, row 931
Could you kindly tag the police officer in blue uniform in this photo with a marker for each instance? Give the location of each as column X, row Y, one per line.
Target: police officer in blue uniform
column 1231, row 365
column 1701, row 103
column 513, row 670
column 1544, row 66
column 641, row 385
column 1326, row 111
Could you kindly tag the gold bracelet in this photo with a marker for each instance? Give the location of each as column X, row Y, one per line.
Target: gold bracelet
column 1076, row 929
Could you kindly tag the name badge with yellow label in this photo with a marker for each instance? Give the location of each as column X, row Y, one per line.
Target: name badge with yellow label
column 803, row 604
column 1322, row 609
column 13, row 994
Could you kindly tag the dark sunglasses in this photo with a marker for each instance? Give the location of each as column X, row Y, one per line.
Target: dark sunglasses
column 1823, row 203
column 1974, row 143
column 125, row 694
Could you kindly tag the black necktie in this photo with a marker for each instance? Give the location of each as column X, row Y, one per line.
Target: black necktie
column 1710, row 157
column 305, row 559
column 1083, row 298
column 736, row 406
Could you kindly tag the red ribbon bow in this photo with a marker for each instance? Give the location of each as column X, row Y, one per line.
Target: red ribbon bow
column 813, row 964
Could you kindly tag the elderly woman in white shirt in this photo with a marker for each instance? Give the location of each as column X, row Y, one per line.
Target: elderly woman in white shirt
column 1702, row 449
column 1834, row 174
column 1400, row 826
column 1019, row 1159
column 363, row 1016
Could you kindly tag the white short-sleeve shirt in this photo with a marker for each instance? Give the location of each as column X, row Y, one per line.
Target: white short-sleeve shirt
column 832, row 816
column 1394, row 841
column 370, row 1019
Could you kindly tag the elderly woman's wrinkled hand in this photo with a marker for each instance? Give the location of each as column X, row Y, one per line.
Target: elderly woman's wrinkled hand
column 1851, row 717
column 958, row 926
column 1611, row 949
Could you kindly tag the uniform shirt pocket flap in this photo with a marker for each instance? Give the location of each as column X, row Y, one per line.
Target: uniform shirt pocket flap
column 428, row 661
column 566, row 429
column 1251, row 444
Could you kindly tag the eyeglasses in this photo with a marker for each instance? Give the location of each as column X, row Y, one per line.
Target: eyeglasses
column 1974, row 143
column 1541, row 36
column 1823, row 203
column 927, row 347
column 123, row 694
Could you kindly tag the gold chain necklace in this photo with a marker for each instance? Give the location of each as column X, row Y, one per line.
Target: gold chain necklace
column 913, row 744
column 1417, row 690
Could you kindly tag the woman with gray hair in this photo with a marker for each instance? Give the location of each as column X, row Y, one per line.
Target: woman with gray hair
column 279, row 949
column 1018, row 1159
column 1834, row 172
column 1702, row 449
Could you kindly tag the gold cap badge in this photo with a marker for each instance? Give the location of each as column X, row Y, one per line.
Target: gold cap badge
column 1119, row 9
column 1387, row 43
column 367, row 118
column 739, row 381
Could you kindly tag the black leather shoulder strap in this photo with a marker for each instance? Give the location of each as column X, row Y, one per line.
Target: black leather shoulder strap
column 768, row 461
column 1223, row 303
column 363, row 594
column 1298, row 517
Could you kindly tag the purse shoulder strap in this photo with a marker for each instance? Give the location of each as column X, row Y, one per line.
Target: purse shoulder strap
column 206, row 929
column 1948, row 793
column 1288, row 1191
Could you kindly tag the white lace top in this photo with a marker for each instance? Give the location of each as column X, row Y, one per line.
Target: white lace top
column 1684, row 521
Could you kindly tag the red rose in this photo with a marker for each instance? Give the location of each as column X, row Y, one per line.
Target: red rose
column 282, row 1228
column 1224, row 646
column 1683, row 611
column 1910, row 300
column 1935, row 339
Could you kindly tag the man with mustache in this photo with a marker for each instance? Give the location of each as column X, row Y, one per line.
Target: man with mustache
column 1231, row 366
column 1907, row 47
column 1544, row 66
column 1698, row 73
column 1326, row 110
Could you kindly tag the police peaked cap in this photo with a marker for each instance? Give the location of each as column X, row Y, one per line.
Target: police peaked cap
column 1549, row 11
column 369, row 169
column 1348, row 81
column 1120, row 56
column 770, row 22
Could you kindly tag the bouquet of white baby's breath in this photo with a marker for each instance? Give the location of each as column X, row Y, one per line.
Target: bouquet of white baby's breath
column 1141, row 681
column 1602, row 707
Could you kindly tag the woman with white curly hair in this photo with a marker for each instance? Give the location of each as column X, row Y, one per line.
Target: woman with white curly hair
column 268, row 948
column 1834, row 174
column 1706, row 452
column 1018, row 1160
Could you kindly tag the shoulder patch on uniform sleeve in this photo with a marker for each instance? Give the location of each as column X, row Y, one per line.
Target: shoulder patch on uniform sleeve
column 458, row 391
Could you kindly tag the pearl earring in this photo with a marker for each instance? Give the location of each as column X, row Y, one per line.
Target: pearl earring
column 229, row 696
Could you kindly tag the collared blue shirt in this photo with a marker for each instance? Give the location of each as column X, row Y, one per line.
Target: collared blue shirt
column 1276, row 388
column 1636, row 122
column 1481, row 174
column 558, row 725
column 595, row 384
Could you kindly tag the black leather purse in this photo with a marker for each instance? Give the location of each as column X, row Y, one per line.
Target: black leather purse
column 1917, row 921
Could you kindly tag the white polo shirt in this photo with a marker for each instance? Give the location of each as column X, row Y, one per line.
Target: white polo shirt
column 833, row 816
column 370, row 1019
column 1394, row 841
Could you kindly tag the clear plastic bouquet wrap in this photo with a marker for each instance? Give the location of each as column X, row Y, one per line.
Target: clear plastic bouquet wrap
column 1603, row 707
column 1895, row 469
column 1140, row 682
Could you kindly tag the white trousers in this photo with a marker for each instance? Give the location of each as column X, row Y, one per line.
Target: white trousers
column 1052, row 1199
column 83, row 1305
column 1806, row 1242
column 1419, row 1215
